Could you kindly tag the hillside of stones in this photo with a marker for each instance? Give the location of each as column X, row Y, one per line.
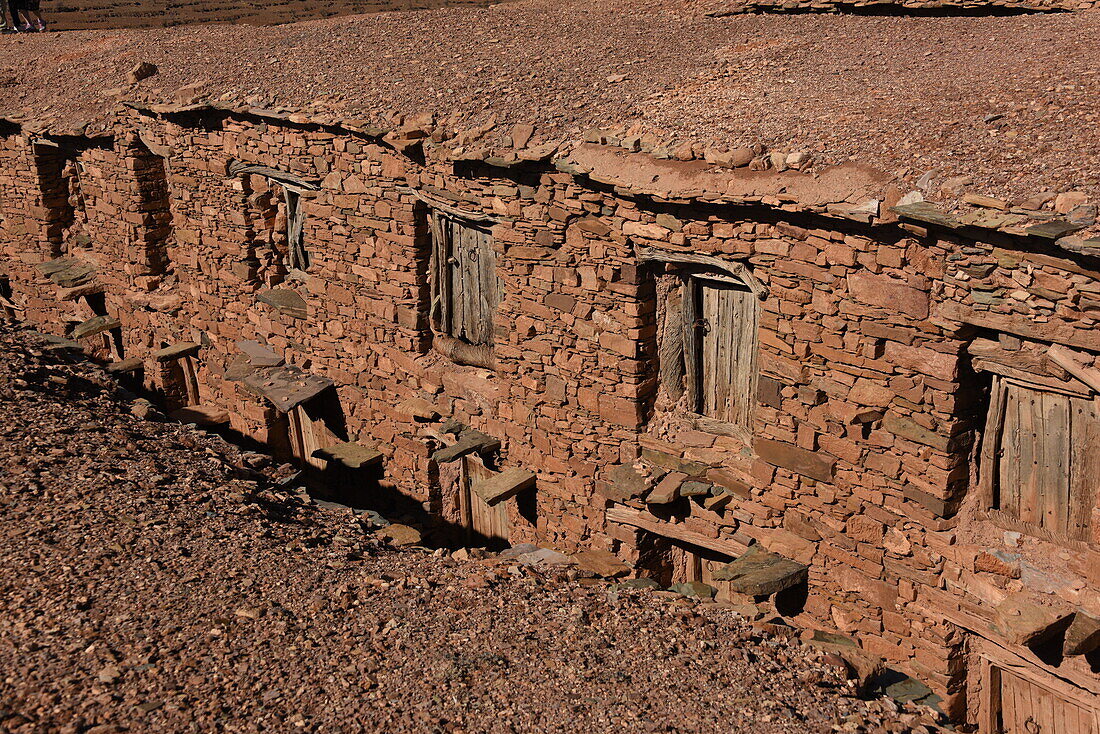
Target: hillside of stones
column 69, row 15
column 157, row 578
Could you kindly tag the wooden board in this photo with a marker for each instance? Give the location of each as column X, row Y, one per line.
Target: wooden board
column 309, row 432
column 727, row 324
column 1044, row 471
column 464, row 280
column 1019, row 705
column 484, row 524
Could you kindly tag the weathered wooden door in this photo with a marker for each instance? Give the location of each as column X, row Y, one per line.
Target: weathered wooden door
column 727, row 351
column 1047, row 458
column 466, row 269
column 1021, row 706
column 484, row 524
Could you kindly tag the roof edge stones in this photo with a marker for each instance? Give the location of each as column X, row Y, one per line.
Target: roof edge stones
column 666, row 171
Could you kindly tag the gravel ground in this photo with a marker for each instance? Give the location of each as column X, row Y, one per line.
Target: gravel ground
column 1010, row 102
column 150, row 581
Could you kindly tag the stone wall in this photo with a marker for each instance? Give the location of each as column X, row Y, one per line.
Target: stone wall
column 860, row 461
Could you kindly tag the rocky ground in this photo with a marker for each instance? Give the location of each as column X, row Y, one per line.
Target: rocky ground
column 154, row 578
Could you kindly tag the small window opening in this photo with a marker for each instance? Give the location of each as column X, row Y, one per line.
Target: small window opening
column 276, row 222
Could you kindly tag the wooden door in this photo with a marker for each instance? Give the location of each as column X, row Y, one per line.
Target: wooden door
column 727, row 351
column 484, row 525
column 1021, row 706
column 467, row 279
column 1046, row 453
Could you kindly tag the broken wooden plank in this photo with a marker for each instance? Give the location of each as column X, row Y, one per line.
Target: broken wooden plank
column 436, row 203
column 736, row 269
column 237, row 168
column 675, row 531
column 178, row 350
column 761, row 573
column 130, row 364
column 1065, row 359
column 503, row 485
column 1022, row 622
column 350, row 454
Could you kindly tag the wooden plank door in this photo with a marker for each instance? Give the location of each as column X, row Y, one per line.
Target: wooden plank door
column 1021, row 706
column 1047, row 471
column 727, row 352
column 469, row 288
column 484, row 524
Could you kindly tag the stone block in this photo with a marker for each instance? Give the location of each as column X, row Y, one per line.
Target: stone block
column 813, row 464
column 761, row 573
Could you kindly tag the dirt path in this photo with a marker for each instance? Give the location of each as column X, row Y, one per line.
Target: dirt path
column 145, row 586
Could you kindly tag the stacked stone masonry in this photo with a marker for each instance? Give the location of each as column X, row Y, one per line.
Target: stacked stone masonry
column 879, row 347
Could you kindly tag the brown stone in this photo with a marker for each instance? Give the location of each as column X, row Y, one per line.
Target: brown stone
column 1082, row 636
column 602, row 563
column 889, row 293
column 760, row 573
column 816, row 465
column 1022, row 622
column 667, row 490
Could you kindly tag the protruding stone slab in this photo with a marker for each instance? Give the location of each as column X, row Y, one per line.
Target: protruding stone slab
column 285, row 301
column 761, row 573
column 130, row 364
column 695, row 489
column 667, row 490
column 175, row 351
column 504, row 485
column 350, row 454
column 260, row 355
column 813, row 464
column 203, row 415
column 695, row 589
column 1022, row 622
column 68, row 272
column 602, row 563
column 469, row 442
column 95, row 325
column 286, row 387
column 1082, row 636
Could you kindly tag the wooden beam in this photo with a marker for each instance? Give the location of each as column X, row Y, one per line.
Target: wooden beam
column 1064, row 358
column 440, row 205
column 740, row 273
column 644, row 521
column 237, row 168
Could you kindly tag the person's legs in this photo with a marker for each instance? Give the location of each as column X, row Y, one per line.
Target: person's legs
column 36, row 18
